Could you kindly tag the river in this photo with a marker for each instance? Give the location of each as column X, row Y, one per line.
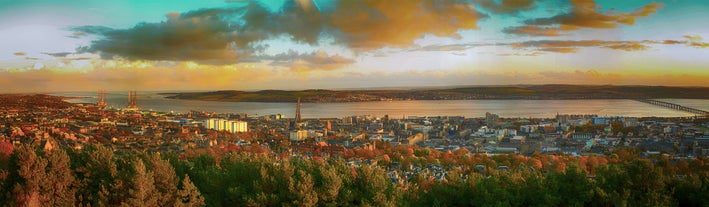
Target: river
column 396, row 109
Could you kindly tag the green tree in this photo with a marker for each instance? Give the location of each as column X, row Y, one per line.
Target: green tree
column 189, row 195
column 97, row 180
column 60, row 179
column 142, row 191
column 165, row 180
column 330, row 184
column 29, row 178
column 302, row 189
column 373, row 187
column 637, row 183
column 572, row 186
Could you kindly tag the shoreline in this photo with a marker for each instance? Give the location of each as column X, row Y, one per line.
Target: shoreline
column 537, row 92
column 397, row 100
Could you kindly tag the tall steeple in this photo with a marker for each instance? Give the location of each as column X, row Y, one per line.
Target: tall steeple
column 101, row 101
column 132, row 100
column 297, row 112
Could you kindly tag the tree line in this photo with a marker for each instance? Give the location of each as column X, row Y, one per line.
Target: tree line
column 98, row 176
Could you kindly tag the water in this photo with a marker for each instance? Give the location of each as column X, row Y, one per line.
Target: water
column 396, row 109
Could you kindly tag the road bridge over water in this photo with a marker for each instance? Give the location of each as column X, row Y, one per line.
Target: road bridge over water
column 678, row 107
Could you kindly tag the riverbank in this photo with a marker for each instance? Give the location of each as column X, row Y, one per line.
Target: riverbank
column 538, row 92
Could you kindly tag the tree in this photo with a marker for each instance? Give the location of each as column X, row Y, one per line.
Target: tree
column 6, row 149
column 29, row 178
column 572, row 186
column 142, row 191
column 637, row 183
column 331, row 184
column 189, row 195
column 165, row 180
column 373, row 187
column 60, row 180
column 303, row 190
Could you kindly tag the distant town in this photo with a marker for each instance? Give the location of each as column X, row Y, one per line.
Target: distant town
column 399, row 158
column 50, row 122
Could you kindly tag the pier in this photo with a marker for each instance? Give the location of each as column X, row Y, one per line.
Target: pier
column 674, row 106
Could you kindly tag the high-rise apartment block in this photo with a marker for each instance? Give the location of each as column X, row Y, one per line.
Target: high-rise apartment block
column 232, row 126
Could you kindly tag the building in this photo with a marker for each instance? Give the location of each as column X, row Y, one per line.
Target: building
column 518, row 139
column 232, row 126
column 631, row 122
column 491, row 119
column 298, row 135
column 600, row 120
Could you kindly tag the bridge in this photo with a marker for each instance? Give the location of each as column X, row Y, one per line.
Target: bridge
column 674, row 106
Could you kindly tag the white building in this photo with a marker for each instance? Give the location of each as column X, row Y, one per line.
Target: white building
column 299, row 135
column 232, row 126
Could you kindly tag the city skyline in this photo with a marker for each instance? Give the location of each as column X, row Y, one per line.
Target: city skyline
column 83, row 45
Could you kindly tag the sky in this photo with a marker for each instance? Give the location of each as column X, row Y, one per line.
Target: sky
column 86, row 45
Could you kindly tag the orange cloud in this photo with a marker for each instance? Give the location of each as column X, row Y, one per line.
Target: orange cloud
column 699, row 44
column 628, row 46
column 373, row 24
column 571, row 46
column 696, row 41
column 560, row 49
column 226, row 36
column 673, row 42
column 584, row 14
column 19, row 54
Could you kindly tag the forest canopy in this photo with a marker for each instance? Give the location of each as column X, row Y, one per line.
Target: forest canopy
column 96, row 176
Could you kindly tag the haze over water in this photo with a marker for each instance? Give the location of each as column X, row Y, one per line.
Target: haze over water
column 398, row 109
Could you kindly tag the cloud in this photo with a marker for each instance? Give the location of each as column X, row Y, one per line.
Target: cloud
column 690, row 41
column 673, row 42
column 584, row 14
column 455, row 47
column 699, row 44
column 571, row 46
column 628, row 46
column 230, row 35
column 202, row 35
column 373, row 24
column 58, row 54
column 300, row 62
column 567, row 46
column 19, row 53
column 696, row 41
column 449, row 47
column 536, row 30
column 693, row 38
column 559, row 49
column 507, row 6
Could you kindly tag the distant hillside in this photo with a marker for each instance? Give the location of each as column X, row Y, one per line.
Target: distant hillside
column 466, row 93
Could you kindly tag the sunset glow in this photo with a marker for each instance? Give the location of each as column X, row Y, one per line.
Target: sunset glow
column 83, row 45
